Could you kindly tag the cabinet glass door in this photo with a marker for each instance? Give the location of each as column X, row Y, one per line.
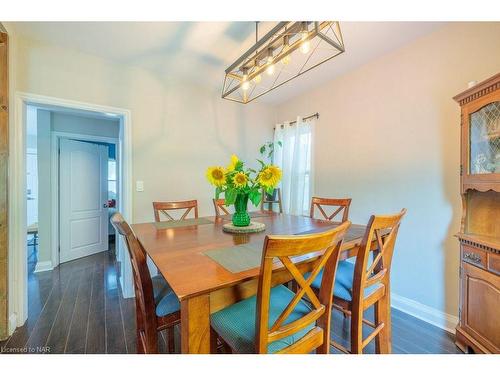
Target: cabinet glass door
column 484, row 157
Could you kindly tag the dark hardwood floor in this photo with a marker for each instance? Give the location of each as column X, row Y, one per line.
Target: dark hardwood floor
column 78, row 308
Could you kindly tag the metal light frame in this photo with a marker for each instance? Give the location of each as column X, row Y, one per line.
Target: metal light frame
column 284, row 39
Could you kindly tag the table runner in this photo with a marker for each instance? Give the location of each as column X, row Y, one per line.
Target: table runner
column 351, row 234
column 237, row 258
column 181, row 223
column 244, row 257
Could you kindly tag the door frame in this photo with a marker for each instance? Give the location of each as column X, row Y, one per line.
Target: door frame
column 18, row 277
column 54, row 184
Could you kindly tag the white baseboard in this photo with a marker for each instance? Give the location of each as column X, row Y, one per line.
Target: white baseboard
column 126, row 292
column 44, row 266
column 423, row 312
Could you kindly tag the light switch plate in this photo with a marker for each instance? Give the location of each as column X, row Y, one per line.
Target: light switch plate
column 139, row 185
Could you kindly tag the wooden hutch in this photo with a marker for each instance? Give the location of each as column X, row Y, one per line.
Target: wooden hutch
column 478, row 329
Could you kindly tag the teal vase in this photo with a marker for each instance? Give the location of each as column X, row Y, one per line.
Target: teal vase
column 240, row 216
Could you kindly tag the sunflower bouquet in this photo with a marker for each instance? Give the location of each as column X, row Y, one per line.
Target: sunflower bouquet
column 240, row 184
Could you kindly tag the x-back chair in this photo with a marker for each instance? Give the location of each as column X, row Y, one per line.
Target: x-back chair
column 366, row 283
column 157, row 307
column 271, row 202
column 220, row 207
column 341, row 204
column 278, row 320
column 165, row 207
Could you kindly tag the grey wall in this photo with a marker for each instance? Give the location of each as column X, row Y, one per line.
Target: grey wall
column 44, row 180
column 69, row 123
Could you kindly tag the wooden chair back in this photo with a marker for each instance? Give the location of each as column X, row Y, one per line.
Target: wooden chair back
column 220, row 207
column 383, row 230
column 270, row 202
column 283, row 248
column 164, row 207
column 341, row 204
column 147, row 339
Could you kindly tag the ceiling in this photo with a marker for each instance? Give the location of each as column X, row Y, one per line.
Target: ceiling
column 200, row 51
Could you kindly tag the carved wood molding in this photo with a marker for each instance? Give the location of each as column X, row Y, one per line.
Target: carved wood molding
column 479, row 244
column 481, row 89
column 482, row 187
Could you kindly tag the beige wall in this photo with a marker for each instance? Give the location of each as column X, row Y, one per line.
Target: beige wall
column 388, row 136
column 178, row 130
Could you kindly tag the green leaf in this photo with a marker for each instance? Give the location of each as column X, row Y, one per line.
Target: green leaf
column 239, row 165
column 230, row 196
column 270, row 190
column 280, row 143
column 262, row 149
column 255, row 196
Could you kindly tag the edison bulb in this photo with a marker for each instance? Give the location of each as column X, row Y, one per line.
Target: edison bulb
column 270, row 69
column 286, row 60
column 257, row 78
column 305, row 47
column 245, row 85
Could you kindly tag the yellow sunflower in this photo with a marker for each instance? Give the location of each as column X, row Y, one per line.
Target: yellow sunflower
column 232, row 165
column 240, row 180
column 270, row 176
column 216, row 176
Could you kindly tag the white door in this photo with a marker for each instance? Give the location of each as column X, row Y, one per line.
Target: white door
column 83, row 192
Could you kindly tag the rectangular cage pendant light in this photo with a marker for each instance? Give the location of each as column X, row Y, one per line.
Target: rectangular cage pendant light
column 289, row 50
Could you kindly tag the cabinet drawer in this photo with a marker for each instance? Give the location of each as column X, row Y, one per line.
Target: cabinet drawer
column 494, row 263
column 474, row 256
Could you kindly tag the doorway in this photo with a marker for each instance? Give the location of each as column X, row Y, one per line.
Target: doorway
column 116, row 195
column 69, row 200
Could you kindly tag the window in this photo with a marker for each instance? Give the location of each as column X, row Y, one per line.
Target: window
column 112, row 179
column 295, row 159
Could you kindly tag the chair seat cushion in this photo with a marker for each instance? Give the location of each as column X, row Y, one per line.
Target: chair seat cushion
column 343, row 281
column 165, row 299
column 236, row 323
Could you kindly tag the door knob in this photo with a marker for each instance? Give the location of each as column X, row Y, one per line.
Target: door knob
column 105, row 205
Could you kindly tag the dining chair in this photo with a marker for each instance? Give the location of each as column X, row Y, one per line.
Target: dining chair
column 157, row 307
column 164, row 207
column 341, row 204
column 270, row 202
column 220, row 207
column 365, row 283
column 278, row 320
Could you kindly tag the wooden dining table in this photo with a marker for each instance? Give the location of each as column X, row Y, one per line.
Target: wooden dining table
column 204, row 286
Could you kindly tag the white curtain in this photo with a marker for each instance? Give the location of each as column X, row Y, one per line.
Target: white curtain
column 295, row 160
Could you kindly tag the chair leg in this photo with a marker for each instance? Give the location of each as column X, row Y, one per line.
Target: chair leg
column 357, row 331
column 213, row 341
column 140, row 344
column 171, row 339
column 383, row 315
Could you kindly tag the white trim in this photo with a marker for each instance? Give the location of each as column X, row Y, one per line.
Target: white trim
column 17, row 186
column 44, row 266
column 54, row 181
column 12, row 324
column 423, row 312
